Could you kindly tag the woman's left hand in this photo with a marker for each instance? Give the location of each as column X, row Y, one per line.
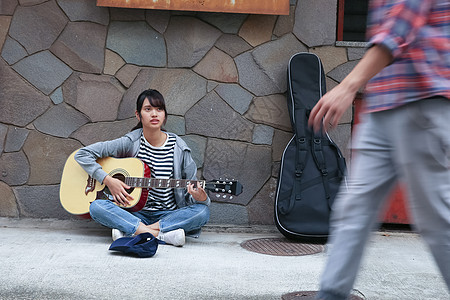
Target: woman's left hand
column 197, row 193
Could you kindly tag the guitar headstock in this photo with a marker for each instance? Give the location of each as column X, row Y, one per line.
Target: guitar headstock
column 230, row 187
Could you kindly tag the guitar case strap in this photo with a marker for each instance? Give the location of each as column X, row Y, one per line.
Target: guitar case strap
column 319, row 159
column 302, row 147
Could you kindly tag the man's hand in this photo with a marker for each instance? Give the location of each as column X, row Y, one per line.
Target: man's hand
column 118, row 190
column 331, row 107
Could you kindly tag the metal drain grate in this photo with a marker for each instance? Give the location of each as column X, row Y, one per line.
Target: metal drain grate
column 309, row 295
column 281, row 247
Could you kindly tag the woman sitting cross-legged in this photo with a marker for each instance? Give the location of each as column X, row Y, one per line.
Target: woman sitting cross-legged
column 169, row 213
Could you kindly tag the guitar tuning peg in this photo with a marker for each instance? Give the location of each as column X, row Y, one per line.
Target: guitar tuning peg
column 231, row 197
column 217, row 196
column 224, row 196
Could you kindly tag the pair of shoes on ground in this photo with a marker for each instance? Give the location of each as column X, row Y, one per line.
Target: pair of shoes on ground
column 175, row 237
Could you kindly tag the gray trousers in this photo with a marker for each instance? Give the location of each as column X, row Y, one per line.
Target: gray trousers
column 410, row 144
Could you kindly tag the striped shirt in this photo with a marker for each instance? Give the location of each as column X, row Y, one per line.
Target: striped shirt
column 417, row 34
column 160, row 161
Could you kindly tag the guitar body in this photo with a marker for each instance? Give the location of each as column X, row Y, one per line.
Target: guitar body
column 78, row 190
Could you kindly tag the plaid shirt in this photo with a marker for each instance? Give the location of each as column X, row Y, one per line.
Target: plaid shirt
column 417, row 33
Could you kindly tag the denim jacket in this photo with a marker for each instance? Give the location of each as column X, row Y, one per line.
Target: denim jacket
column 184, row 166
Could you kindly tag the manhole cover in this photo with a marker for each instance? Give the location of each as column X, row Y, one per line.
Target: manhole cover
column 281, row 247
column 309, row 295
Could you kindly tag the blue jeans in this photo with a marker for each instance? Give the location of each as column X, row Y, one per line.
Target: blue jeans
column 190, row 218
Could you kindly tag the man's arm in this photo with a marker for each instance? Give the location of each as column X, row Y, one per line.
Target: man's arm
column 333, row 104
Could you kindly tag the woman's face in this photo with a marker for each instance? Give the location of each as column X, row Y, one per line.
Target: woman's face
column 150, row 116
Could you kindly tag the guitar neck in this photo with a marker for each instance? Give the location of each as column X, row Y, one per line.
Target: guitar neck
column 143, row 182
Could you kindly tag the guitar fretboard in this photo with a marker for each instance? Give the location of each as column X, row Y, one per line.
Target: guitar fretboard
column 143, row 182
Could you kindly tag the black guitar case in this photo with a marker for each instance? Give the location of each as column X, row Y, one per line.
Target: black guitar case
column 312, row 166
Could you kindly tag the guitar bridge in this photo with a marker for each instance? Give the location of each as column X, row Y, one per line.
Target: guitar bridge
column 90, row 185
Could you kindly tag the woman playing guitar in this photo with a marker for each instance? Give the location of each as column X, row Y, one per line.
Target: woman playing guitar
column 168, row 213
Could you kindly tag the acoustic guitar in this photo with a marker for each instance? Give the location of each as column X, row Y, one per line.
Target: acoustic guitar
column 78, row 190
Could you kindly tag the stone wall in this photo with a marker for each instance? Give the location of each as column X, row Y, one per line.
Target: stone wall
column 70, row 73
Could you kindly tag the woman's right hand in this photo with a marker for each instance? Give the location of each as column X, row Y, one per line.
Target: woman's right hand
column 117, row 189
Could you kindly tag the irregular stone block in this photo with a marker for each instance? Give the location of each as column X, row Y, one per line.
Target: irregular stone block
column 127, row 74
column 60, row 120
column 158, row 19
column 273, row 58
column 30, row 199
column 4, row 26
column 330, row 83
column 356, row 53
column 103, row 131
column 14, row 168
column 261, row 208
column 47, row 156
column 276, row 169
column 257, row 29
column 175, row 124
column 211, row 116
column 107, row 98
column 330, row 56
column 12, row 51
column 57, row 96
column 232, row 44
column 113, row 62
column 85, row 10
column 8, row 205
column 226, row 22
column 81, row 46
column 181, row 89
column 252, row 77
column 211, row 85
column 235, row 96
column 285, row 24
column 218, row 66
column 262, row 135
column 30, row 2
column 8, row 7
column 341, row 135
column 223, row 213
column 249, row 164
column 270, row 110
column 15, row 139
column 315, row 22
column 69, row 88
column 188, row 40
column 280, row 141
column 263, row 71
column 3, row 132
column 126, row 37
column 198, row 147
column 43, row 70
column 339, row 73
column 15, row 95
column 37, row 27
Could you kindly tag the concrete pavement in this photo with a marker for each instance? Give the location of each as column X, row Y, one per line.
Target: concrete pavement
column 54, row 259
